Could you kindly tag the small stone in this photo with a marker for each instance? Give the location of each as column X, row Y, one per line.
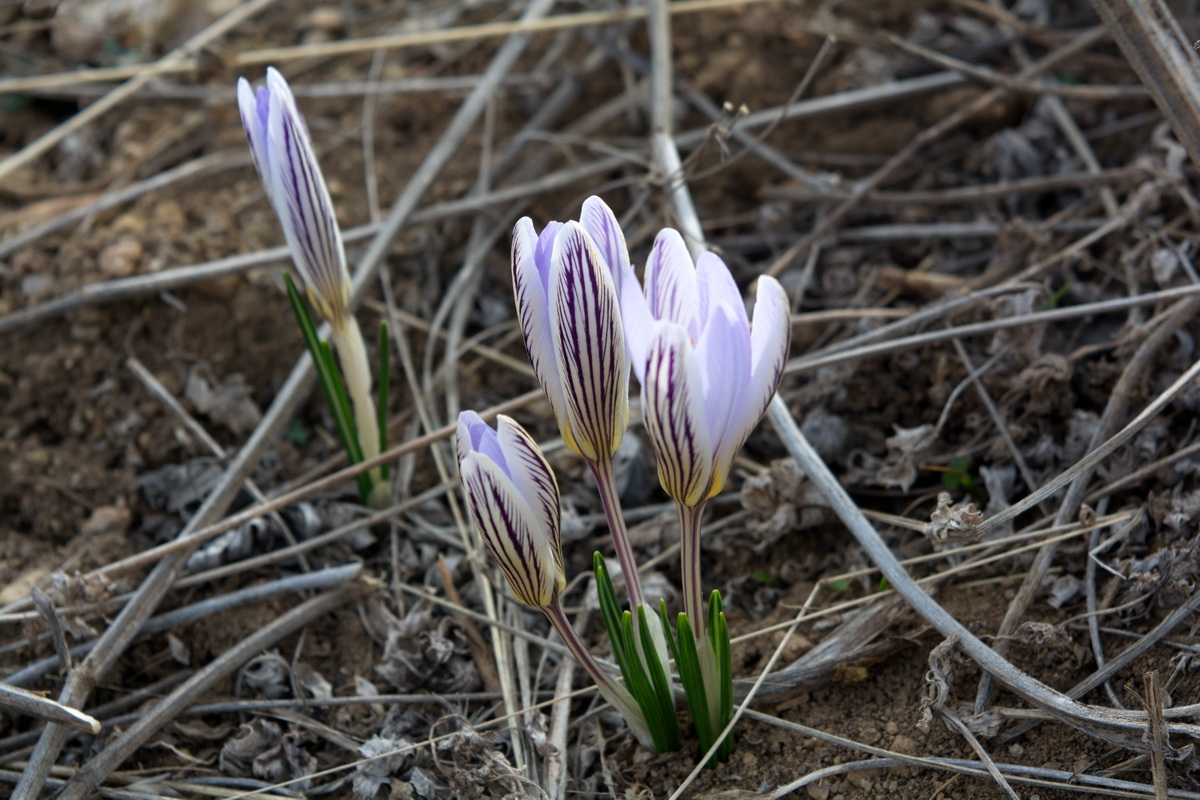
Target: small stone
column 891, row 728
column 85, row 332
column 818, row 790
column 169, row 214
column 326, row 18
column 1016, row 750
column 37, row 458
column 121, row 259
column 905, row 745
column 107, row 519
column 37, row 285
column 863, row 779
column 130, row 223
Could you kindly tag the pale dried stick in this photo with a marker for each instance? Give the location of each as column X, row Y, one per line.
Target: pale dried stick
column 281, row 55
column 141, row 76
column 97, row 768
column 34, row 705
column 925, row 137
column 1152, row 42
column 117, row 637
column 1102, row 723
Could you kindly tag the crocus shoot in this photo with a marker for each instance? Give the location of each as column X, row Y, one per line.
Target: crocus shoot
column 287, row 165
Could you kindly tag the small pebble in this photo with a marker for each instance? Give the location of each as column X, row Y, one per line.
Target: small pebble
column 120, row 260
column 107, row 519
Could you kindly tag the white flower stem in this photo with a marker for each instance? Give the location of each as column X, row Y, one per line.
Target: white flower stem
column 606, row 483
column 356, row 372
column 689, row 566
column 613, row 692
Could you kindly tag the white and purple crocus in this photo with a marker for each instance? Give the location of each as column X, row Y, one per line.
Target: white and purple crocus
column 513, row 500
column 707, row 374
column 287, row 166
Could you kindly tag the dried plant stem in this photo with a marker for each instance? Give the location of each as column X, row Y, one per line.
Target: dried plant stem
column 1120, row 730
column 34, row 705
column 98, row 768
column 140, row 77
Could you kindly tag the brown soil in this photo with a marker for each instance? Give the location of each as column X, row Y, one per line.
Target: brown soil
column 81, row 432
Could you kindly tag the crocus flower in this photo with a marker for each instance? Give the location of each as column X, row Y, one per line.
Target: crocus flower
column 707, row 372
column 566, row 292
column 513, row 500
column 287, row 166
column 283, row 154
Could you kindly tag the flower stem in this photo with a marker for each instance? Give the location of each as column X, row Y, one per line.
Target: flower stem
column 613, row 692
column 352, row 353
column 606, row 482
column 689, row 564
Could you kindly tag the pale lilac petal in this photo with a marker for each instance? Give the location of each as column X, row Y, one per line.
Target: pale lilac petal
column 503, row 520
column 770, row 335
column 544, row 250
column 589, row 344
column 723, row 355
column 462, row 434
column 255, row 124
column 601, row 224
column 534, row 480
column 674, row 415
column 715, row 286
column 302, row 203
column 533, row 314
column 637, row 322
column 671, row 279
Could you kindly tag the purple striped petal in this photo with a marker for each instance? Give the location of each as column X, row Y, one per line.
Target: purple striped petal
column 505, row 522
column 534, row 480
column 674, row 415
column 601, row 224
column 254, row 122
column 530, row 290
column 671, row 281
column 288, row 167
column 589, row 344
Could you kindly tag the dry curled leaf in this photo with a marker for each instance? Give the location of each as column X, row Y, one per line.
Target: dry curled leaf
column 950, row 523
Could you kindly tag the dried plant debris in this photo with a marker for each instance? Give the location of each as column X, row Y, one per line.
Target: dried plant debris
column 898, row 469
column 264, row 749
column 953, row 523
column 425, row 650
column 226, row 402
column 781, row 500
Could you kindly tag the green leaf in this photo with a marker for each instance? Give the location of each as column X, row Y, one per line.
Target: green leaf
column 331, row 383
column 660, row 684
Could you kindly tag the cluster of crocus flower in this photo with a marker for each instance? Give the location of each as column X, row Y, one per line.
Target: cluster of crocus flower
column 707, row 374
column 287, row 166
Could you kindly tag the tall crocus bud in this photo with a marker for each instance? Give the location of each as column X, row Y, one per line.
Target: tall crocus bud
column 707, row 372
column 513, row 500
column 283, row 154
column 567, row 303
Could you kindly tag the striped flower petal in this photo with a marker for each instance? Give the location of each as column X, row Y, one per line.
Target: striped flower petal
column 601, row 224
column 531, row 276
column 286, row 163
column 589, row 344
column 513, row 503
column 723, row 357
column 534, row 480
column 675, row 418
column 671, row 281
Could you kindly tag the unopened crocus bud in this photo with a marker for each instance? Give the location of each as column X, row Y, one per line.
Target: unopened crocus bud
column 512, row 496
column 565, row 282
column 707, row 372
column 283, row 154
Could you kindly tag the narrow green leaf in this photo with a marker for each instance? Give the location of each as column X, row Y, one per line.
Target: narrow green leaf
column 658, row 680
column 385, row 387
column 692, row 678
column 725, row 676
column 331, row 383
column 610, row 609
